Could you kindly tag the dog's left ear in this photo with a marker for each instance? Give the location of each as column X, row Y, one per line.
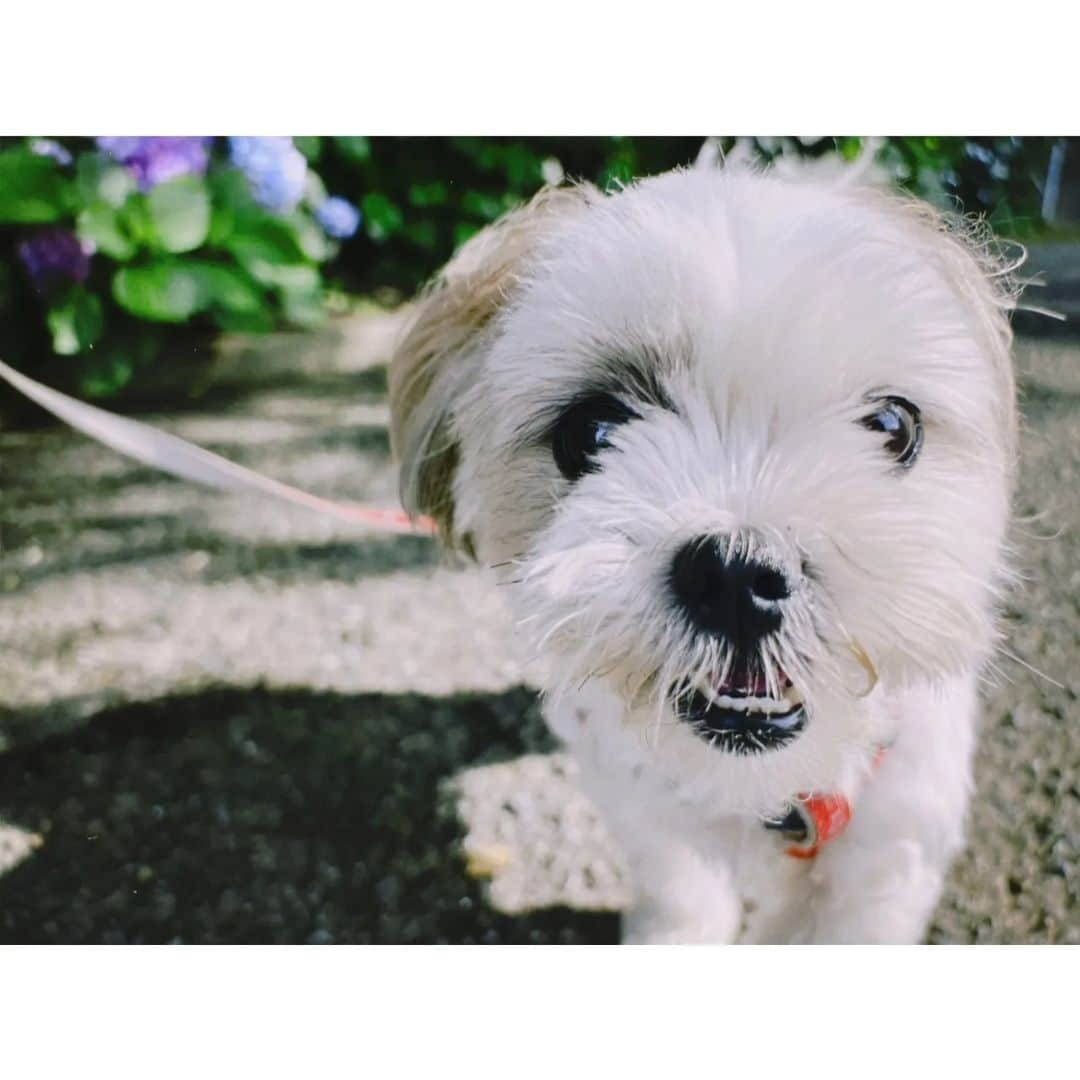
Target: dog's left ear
column 982, row 273
column 442, row 349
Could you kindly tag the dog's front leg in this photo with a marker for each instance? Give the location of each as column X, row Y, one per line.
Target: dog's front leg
column 880, row 881
column 679, row 898
column 882, row 898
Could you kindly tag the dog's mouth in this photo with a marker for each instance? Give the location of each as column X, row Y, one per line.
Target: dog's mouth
column 740, row 715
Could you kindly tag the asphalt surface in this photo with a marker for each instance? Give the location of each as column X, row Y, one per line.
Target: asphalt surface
column 226, row 721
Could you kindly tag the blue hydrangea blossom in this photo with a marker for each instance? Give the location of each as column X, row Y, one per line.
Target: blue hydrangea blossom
column 275, row 169
column 50, row 148
column 338, row 217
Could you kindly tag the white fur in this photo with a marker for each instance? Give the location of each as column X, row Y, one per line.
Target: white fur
column 770, row 310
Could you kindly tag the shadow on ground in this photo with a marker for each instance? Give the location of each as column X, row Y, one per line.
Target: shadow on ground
column 259, row 816
column 130, row 541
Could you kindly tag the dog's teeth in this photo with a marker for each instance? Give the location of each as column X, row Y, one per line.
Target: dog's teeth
column 754, row 704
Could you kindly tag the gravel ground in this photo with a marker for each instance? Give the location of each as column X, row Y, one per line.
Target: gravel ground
column 224, row 721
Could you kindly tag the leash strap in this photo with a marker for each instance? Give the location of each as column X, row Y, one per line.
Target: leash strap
column 171, row 454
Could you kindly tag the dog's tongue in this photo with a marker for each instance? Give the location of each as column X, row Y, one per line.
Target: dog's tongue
column 744, row 683
column 751, row 686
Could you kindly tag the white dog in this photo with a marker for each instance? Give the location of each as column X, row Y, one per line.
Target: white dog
column 741, row 446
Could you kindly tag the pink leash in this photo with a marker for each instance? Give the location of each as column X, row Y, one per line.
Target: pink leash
column 183, row 459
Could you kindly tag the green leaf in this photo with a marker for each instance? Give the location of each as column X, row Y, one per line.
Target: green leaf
column 314, row 243
column 33, row 191
column 100, row 224
column 355, row 148
column 849, row 147
column 130, row 347
column 314, row 189
column 179, row 213
column 231, row 200
column 423, row 233
column 299, row 277
column 308, row 145
column 263, row 239
column 222, row 223
column 229, row 187
column 464, row 230
column 523, row 167
column 246, row 322
column 106, row 375
column 226, row 288
column 161, row 292
column 134, row 218
column 174, row 290
column 276, row 252
column 481, row 205
column 97, row 179
column 382, row 217
column 434, row 194
column 76, row 323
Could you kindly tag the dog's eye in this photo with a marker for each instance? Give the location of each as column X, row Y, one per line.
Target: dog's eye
column 901, row 422
column 583, row 431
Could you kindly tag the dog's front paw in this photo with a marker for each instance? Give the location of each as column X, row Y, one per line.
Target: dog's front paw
column 649, row 925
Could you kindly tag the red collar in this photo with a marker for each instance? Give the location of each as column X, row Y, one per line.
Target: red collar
column 811, row 821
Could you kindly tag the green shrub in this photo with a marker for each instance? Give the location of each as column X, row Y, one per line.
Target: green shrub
column 112, row 249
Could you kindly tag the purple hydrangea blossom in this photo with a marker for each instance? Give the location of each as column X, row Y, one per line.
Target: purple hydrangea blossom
column 54, row 257
column 275, row 169
column 153, row 159
column 338, row 217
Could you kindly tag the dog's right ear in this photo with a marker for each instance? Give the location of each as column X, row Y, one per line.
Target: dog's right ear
column 443, row 344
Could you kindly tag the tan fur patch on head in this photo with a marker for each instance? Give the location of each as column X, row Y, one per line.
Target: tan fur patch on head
column 443, row 342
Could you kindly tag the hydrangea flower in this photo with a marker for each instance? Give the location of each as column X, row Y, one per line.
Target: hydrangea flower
column 338, row 217
column 54, row 257
column 274, row 168
column 152, row 159
column 50, row 148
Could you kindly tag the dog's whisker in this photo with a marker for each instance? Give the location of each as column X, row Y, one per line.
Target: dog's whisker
column 1030, row 667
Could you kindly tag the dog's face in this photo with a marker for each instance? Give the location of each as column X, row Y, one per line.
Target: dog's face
column 740, row 448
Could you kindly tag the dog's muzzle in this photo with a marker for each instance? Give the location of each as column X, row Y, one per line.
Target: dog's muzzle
column 737, row 599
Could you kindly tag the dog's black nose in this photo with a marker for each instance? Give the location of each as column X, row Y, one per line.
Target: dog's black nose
column 724, row 593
